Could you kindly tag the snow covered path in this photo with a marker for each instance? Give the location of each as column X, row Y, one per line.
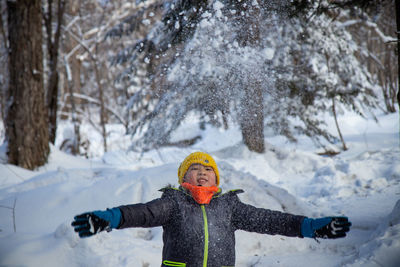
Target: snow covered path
column 362, row 183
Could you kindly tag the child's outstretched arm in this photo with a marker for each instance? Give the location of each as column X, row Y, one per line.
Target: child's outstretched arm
column 327, row 227
column 91, row 223
column 154, row 213
column 249, row 218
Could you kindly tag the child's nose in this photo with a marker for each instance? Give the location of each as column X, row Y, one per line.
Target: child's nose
column 202, row 170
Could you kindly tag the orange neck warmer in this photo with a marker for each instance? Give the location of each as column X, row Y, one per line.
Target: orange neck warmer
column 201, row 194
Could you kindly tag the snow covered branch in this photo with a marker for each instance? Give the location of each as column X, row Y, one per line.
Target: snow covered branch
column 374, row 26
column 97, row 102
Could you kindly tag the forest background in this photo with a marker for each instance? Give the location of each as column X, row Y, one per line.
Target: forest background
column 276, row 66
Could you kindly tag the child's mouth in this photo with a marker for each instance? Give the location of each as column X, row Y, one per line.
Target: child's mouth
column 201, row 182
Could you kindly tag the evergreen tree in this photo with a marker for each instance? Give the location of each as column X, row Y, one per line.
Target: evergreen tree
column 189, row 26
column 318, row 69
column 297, row 60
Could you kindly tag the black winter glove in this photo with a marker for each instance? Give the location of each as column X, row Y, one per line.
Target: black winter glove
column 327, row 227
column 88, row 224
column 336, row 228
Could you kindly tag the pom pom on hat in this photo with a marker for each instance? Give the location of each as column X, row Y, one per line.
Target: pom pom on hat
column 199, row 158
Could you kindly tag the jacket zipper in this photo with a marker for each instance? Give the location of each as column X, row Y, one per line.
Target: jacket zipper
column 205, row 258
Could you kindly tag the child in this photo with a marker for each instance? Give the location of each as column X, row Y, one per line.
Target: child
column 199, row 222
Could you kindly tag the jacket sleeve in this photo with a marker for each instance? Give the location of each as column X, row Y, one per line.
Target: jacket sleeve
column 154, row 213
column 249, row 218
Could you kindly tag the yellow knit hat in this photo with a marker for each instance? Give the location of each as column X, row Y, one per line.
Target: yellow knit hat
column 200, row 158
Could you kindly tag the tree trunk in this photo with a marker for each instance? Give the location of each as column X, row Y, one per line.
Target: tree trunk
column 398, row 48
column 75, row 143
column 27, row 126
column 52, row 48
column 337, row 124
column 398, row 54
column 102, row 108
column 72, row 73
column 4, row 66
column 252, row 119
column 252, row 105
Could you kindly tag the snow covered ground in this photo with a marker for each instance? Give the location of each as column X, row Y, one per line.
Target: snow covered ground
column 362, row 183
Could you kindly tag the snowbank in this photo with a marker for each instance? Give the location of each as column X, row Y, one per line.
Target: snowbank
column 362, row 183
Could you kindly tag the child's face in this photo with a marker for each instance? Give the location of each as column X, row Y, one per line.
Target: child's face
column 200, row 175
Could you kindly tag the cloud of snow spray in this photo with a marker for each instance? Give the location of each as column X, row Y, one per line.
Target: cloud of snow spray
column 288, row 63
column 215, row 68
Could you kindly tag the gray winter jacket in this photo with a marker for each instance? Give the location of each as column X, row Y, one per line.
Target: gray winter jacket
column 197, row 235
